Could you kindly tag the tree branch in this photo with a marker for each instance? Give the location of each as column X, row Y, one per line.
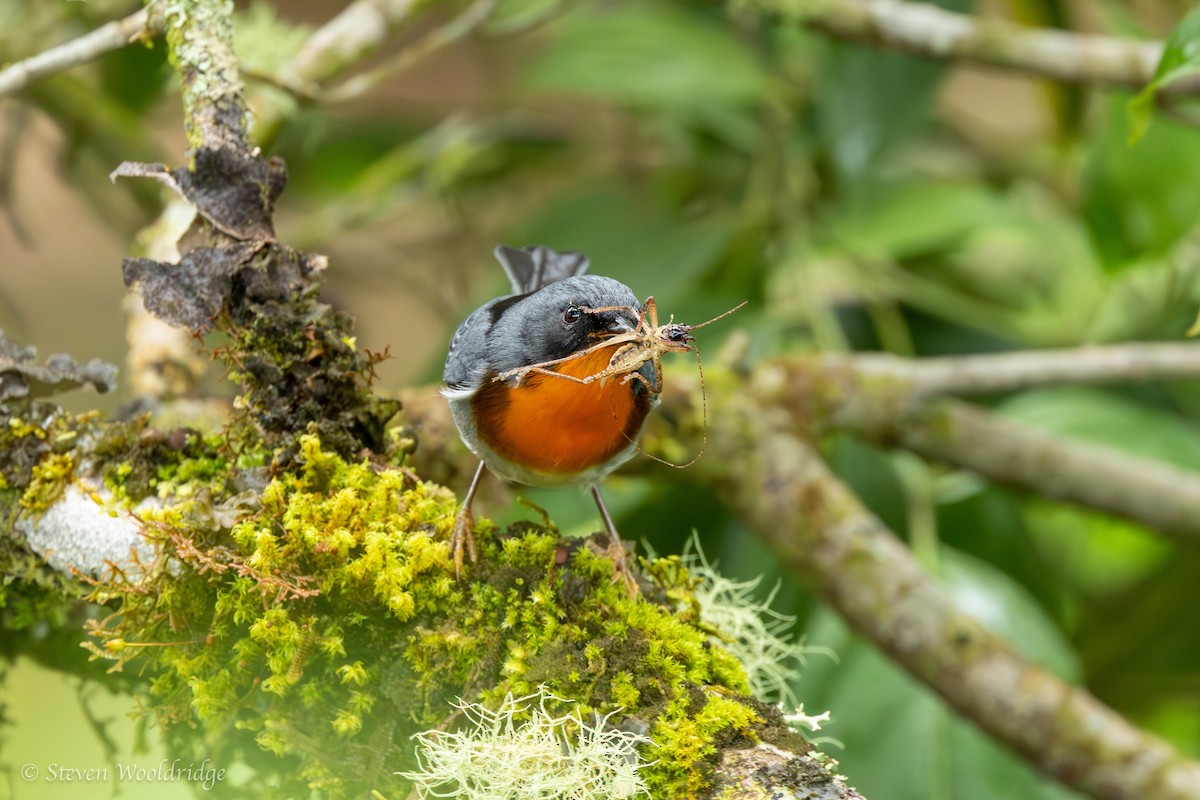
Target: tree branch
column 438, row 39
column 303, row 389
column 884, row 399
column 105, row 39
column 1005, row 372
column 359, row 30
column 844, row 554
column 200, row 35
column 926, row 30
column 1150, row 492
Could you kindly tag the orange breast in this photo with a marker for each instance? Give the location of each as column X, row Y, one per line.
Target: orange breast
column 556, row 425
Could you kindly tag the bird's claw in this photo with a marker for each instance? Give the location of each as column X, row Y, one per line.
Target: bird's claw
column 621, row 570
column 461, row 539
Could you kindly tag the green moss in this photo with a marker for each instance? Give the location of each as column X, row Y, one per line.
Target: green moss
column 685, row 739
column 36, row 466
column 324, row 628
column 290, row 385
column 137, row 461
column 49, row 477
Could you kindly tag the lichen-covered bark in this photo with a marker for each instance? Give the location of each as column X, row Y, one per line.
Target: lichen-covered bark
column 843, row 553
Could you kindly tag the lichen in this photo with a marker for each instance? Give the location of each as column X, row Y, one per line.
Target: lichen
column 523, row 749
column 34, row 439
column 757, row 635
column 200, row 36
column 324, row 627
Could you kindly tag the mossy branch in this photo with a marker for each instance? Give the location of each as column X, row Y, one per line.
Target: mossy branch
column 760, row 461
column 297, row 599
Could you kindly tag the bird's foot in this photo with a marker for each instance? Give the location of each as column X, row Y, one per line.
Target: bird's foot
column 461, row 539
column 621, row 570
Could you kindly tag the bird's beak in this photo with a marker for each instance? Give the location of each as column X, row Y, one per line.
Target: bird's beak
column 617, row 324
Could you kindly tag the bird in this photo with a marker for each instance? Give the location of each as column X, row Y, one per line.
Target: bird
column 532, row 427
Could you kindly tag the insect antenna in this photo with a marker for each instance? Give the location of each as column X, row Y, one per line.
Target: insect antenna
column 714, row 319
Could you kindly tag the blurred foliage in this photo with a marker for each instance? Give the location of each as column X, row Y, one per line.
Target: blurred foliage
column 860, row 200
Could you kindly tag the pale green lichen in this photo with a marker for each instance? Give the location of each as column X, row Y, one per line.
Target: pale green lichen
column 750, row 629
column 523, row 749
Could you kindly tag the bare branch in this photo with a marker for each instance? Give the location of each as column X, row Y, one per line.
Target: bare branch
column 1150, row 492
column 886, row 400
column 361, row 28
column 357, row 32
column 926, row 30
column 105, row 39
column 1004, row 372
column 453, row 31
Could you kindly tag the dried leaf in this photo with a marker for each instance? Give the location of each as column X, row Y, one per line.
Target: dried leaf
column 233, row 189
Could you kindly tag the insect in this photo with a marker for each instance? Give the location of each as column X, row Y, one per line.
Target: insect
column 649, row 341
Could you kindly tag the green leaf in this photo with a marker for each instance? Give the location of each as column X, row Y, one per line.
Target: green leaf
column 1140, row 201
column 1095, row 554
column 657, row 57
column 867, row 102
column 512, row 16
column 1180, row 59
column 914, row 219
column 264, row 42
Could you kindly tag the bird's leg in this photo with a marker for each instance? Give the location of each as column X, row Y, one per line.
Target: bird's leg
column 460, row 536
column 615, row 549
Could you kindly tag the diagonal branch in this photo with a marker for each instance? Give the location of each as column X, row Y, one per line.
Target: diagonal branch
column 924, row 29
column 357, row 32
column 1150, row 492
column 354, row 34
column 452, row 32
column 143, row 24
column 886, row 400
column 849, row 558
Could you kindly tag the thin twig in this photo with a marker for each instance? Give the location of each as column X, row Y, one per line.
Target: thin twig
column 9, row 145
column 888, row 401
column 1005, row 372
column 142, row 24
column 453, row 31
column 359, row 30
column 1153, row 493
column 926, row 30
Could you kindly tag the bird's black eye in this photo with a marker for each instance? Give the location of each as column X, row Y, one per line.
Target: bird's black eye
column 572, row 315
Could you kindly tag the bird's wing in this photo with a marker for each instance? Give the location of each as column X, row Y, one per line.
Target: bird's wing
column 533, row 267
